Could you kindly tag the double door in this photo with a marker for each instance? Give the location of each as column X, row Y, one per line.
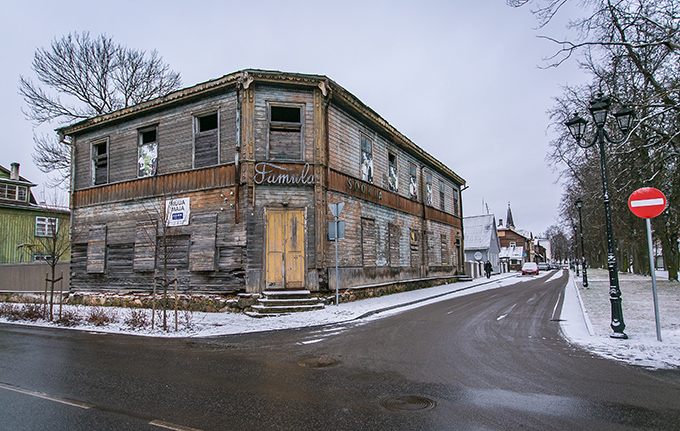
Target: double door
column 285, row 249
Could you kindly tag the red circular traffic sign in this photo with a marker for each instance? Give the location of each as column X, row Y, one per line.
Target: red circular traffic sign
column 647, row 202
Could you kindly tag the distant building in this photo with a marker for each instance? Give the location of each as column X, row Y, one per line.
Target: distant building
column 516, row 246
column 25, row 226
column 481, row 240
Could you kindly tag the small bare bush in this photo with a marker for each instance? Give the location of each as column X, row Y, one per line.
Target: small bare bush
column 69, row 318
column 187, row 320
column 137, row 319
column 9, row 311
column 32, row 312
column 99, row 316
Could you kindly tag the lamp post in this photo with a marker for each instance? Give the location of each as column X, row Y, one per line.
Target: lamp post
column 579, row 204
column 599, row 108
column 576, row 250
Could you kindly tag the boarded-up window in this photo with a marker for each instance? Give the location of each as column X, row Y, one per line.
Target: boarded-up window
column 173, row 251
column 414, row 241
column 394, row 232
column 202, row 256
column 145, row 246
column 119, row 258
column 100, row 163
column 96, row 250
column 445, row 250
column 285, row 133
column 368, row 241
column 206, row 140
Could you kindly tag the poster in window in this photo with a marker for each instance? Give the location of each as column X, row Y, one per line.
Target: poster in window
column 393, row 180
column 148, row 155
column 367, row 167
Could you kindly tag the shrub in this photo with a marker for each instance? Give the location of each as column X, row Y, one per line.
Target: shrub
column 98, row 316
column 9, row 311
column 32, row 312
column 69, row 318
column 136, row 319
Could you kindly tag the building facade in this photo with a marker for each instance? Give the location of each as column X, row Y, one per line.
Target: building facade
column 229, row 182
column 481, row 240
column 29, row 232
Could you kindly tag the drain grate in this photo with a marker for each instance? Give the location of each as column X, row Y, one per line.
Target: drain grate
column 408, row 403
column 318, row 362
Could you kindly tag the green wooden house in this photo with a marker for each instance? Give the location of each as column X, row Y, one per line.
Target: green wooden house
column 29, row 232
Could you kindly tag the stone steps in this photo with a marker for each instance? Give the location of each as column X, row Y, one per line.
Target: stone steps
column 286, row 301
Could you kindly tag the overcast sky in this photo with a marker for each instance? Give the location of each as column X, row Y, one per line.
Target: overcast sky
column 460, row 78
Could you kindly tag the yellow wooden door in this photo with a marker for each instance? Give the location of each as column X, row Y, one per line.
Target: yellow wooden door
column 285, row 249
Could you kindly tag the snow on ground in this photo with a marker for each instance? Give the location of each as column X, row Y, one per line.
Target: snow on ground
column 591, row 330
column 585, row 316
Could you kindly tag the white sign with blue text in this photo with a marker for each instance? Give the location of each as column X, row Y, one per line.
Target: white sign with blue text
column 177, row 212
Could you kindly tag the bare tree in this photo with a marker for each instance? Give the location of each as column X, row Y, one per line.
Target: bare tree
column 81, row 77
column 631, row 49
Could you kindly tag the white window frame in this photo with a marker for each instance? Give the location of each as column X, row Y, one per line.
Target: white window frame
column 44, row 228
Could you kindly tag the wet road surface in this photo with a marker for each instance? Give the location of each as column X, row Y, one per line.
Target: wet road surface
column 488, row 361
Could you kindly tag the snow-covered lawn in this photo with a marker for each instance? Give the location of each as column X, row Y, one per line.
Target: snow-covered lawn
column 642, row 347
column 589, row 330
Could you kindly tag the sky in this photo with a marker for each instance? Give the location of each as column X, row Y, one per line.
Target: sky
column 462, row 79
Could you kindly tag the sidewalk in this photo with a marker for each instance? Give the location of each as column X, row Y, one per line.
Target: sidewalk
column 642, row 348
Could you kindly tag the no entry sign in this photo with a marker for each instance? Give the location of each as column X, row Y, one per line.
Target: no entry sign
column 647, row 202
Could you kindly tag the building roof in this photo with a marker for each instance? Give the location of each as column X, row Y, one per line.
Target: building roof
column 243, row 79
column 511, row 252
column 479, row 231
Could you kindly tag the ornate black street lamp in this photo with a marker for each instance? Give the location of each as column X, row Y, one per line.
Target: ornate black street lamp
column 579, row 204
column 599, row 108
column 576, row 249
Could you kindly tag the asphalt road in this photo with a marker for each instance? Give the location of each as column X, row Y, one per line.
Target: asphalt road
column 488, row 361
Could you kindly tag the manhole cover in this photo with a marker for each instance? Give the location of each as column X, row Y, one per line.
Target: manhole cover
column 318, row 362
column 408, row 402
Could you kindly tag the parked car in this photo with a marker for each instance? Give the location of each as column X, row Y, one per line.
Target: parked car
column 530, row 268
column 543, row 266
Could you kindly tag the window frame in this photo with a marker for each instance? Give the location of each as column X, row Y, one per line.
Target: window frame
column 442, row 196
column 17, row 192
column 456, row 202
column 368, row 175
column 140, row 144
column 96, row 161
column 392, row 177
column 45, row 224
column 286, row 126
column 197, row 133
column 413, row 181
column 429, row 193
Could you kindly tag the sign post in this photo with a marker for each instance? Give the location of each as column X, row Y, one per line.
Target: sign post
column 336, row 209
column 648, row 203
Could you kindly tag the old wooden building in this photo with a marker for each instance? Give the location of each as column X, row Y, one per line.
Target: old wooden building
column 229, row 181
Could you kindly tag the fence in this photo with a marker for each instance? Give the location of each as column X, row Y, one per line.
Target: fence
column 30, row 277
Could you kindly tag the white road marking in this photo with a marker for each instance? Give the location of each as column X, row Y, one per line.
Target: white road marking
column 503, row 316
column 171, row 426
column 46, row 397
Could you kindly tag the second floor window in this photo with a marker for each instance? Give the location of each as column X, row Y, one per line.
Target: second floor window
column 13, row 192
column 428, row 189
column 285, row 133
column 206, row 140
column 147, row 152
column 413, row 182
column 455, row 202
column 442, row 197
column 100, row 163
column 366, row 160
column 393, row 175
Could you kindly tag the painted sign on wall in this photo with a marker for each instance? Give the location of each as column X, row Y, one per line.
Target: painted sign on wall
column 290, row 175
